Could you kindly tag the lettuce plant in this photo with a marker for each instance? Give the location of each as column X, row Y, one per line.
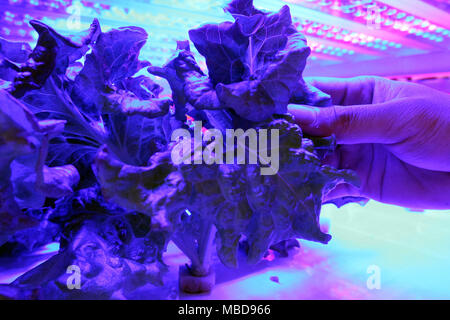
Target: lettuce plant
column 255, row 69
column 71, row 101
column 92, row 150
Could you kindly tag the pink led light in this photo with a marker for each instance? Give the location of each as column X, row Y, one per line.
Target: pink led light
column 338, row 34
column 397, row 25
column 378, row 12
column 336, row 5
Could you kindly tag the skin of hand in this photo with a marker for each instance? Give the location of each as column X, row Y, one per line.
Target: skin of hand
column 395, row 135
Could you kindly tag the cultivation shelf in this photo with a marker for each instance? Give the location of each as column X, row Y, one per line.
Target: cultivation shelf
column 408, row 248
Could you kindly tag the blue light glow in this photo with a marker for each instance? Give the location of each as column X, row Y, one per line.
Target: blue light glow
column 410, row 248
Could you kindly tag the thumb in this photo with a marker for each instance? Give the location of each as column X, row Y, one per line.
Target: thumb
column 350, row 124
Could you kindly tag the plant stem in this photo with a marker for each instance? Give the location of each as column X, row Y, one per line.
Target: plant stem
column 187, row 250
column 205, row 247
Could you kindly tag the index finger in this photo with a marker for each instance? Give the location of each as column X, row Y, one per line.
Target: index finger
column 346, row 91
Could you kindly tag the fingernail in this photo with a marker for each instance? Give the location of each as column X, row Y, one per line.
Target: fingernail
column 305, row 115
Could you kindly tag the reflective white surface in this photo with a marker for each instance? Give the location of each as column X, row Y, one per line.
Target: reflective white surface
column 411, row 251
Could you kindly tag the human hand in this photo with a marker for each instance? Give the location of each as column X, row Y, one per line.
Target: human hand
column 395, row 135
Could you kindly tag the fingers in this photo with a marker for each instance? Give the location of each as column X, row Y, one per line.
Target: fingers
column 342, row 190
column 350, row 124
column 347, row 91
column 360, row 113
column 348, row 157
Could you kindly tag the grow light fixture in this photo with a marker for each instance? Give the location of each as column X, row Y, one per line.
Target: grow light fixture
column 338, row 31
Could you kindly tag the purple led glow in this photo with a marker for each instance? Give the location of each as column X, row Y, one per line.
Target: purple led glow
column 386, row 16
column 127, row 200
